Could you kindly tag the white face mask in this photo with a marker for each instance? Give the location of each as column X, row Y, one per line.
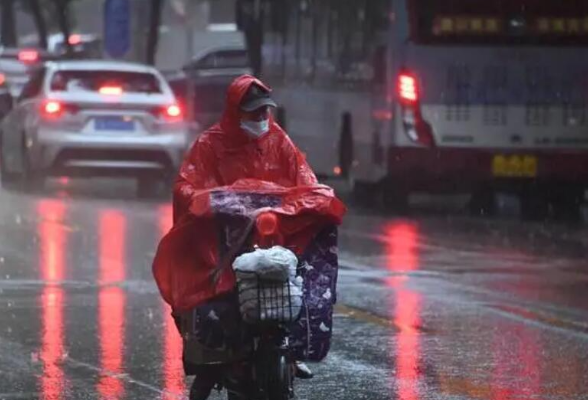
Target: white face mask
column 256, row 128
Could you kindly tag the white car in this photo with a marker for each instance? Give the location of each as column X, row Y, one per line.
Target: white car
column 16, row 64
column 94, row 118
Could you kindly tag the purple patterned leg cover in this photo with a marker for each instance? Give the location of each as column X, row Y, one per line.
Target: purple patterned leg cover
column 311, row 336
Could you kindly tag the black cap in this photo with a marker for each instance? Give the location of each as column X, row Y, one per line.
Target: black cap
column 256, row 97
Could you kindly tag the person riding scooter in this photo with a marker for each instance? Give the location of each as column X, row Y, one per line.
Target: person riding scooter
column 246, row 144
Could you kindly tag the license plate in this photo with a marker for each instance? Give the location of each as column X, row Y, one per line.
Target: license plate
column 514, row 166
column 114, row 124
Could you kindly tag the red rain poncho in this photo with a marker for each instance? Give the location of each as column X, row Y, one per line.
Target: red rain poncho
column 225, row 158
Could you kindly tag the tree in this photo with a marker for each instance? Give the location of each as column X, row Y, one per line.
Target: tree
column 8, row 27
column 61, row 8
column 250, row 16
column 153, row 35
column 49, row 16
column 34, row 7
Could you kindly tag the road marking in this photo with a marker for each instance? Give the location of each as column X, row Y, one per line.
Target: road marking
column 546, row 317
column 363, row 316
column 345, row 311
column 543, row 317
column 20, row 395
column 124, row 377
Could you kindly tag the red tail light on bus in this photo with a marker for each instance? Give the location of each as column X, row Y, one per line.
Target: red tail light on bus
column 409, row 94
column 407, row 88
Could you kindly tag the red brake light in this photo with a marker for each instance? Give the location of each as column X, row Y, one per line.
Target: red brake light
column 2, row 79
column 110, row 90
column 407, row 88
column 173, row 111
column 28, row 56
column 53, row 108
column 75, row 39
column 267, row 224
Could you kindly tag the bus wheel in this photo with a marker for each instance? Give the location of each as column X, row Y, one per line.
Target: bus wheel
column 483, row 202
column 567, row 203
column 534, row 205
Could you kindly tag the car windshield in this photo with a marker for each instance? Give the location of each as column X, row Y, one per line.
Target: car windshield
column 96, row 80
column 225, row 59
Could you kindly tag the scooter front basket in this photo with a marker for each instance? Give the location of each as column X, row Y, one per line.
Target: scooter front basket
column 266, row 301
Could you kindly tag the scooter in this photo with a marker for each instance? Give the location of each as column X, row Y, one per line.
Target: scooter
column 268, row 371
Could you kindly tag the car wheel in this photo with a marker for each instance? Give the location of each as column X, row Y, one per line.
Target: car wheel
column 32, row 181
column 8, row 179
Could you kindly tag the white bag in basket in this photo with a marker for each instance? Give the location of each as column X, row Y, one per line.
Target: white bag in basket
column 277, row 268
column 277, row 263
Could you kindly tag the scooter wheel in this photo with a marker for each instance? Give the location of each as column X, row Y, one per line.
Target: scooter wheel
column 279, row 382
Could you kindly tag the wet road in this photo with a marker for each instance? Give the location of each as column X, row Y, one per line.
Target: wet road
column 430, row 307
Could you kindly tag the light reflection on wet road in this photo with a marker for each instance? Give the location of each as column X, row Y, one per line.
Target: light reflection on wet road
column 403, row 257
column 172, row 350
column 52, row 299
column 111, row 302
column 430, row 307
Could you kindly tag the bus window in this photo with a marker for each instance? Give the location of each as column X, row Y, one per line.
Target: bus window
column 508, row 22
